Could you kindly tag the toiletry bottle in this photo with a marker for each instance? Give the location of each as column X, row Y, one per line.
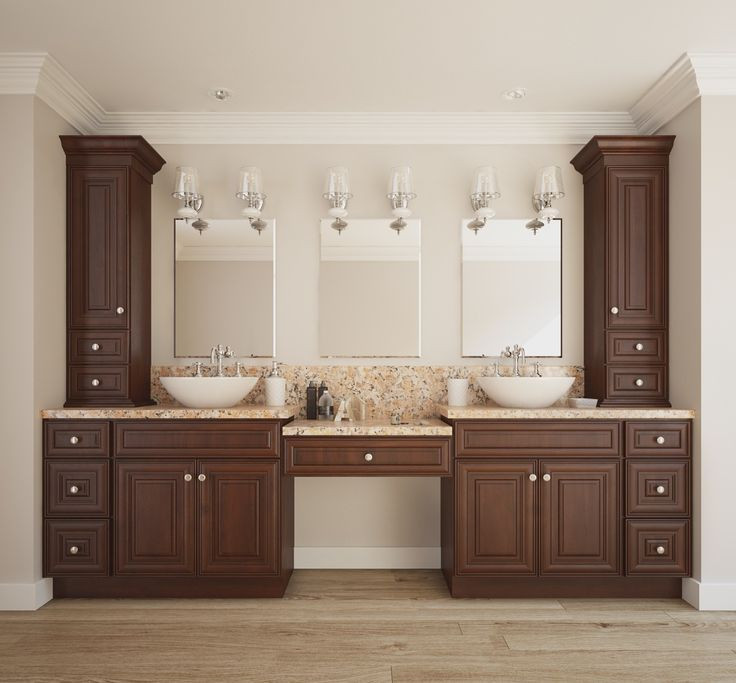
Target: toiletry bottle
column 321, row 390
column 312, row 400
column 275, row 387
column 326, row 405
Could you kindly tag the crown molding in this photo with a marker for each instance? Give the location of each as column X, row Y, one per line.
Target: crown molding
column 19, row 72
column 693, row 75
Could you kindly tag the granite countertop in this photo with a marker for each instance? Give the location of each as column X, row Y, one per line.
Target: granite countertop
column 162, row 412
column 426, row 427
column 494, row 412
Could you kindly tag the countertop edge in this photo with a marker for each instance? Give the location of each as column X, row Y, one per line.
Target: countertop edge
column 492, row 412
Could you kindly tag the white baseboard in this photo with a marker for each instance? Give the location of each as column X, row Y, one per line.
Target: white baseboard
column 709, row 596
column 366, row 558
column 25, row 596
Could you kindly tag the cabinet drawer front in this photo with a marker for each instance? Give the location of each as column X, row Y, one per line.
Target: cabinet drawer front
column 98, row 382
column 76, row 547
column 355, row 456
column 77, row 488
column 658, row 547
column 658, row 438
column 219, row 438
column 87, row 437
column 636, row 347
column 657, row 488
column 532, row 438
column 642, row 382
column 98, row 347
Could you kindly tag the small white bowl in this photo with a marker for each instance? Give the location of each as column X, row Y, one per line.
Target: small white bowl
column 583, row 402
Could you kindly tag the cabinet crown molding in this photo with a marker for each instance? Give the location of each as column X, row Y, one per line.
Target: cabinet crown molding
column 612, row 145
column 135, row 146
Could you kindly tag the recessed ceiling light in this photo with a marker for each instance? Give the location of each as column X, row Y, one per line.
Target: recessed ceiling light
column 514, row 94
column 221, row 94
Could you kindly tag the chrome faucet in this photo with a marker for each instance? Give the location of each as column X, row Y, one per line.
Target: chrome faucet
column 217, row 355
column 517, row 354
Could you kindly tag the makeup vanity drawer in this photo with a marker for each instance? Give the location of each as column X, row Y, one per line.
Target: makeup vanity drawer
column 325, row 456
column 97, row 383
column 76, row 547
column 658, row 547
column 98, row 347
column 658, row 438
column 77, row 488
column 636, row 382
column 636, row 347
column 85, row 437
column 657, row 488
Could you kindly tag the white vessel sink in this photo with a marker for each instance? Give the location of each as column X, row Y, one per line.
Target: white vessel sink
column 209, row 392
column 525, row 392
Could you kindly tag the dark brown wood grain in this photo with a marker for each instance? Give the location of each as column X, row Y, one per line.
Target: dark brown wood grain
column 644, row 537
column 90, row 539
column 77, row 488
column 657, row 487
column 622, row 346
column 98, row 346
column 92, row 438
column 641, row 438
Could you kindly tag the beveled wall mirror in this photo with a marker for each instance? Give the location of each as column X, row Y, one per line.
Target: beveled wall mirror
column 512, row 288
column 370, row 289
column 224, row 288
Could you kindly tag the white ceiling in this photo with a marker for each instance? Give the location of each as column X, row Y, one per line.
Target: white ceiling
column 366, row 55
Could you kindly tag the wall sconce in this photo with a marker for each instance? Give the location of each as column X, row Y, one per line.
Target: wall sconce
column 484, row 189
column 337, row 192
column 547, row 188
column 250, row 190
column 186, row 188
column 400, row 192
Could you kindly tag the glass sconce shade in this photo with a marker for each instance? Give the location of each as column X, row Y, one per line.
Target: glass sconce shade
column 549, row 183
column 250, row 183
column 186, row 183
column 485, row 183
column 337, row 183
column 401, row 182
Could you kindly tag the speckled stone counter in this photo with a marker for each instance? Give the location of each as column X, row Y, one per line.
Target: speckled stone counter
column 426, row 427
column 494, row 412
column 160, row 412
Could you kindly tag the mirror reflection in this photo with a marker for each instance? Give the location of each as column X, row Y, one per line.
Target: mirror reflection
column 224, row 288
column 369, row 289
column 512, row 288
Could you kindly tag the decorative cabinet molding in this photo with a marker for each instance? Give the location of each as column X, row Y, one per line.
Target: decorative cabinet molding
column 109, row 269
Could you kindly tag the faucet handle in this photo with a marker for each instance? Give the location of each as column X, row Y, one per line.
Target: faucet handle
column 238, row 367
column 198, row 369
column 228, row 352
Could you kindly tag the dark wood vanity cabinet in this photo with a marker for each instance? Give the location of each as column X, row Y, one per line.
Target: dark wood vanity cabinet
column 109, row 269
column 626, row 280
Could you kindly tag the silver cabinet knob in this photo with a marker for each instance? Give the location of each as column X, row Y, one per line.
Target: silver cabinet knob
column 547, row 477
column 74, row 488
column 660, row 489
column 120, row 310
column 95, row 382
column 73, row 550
column 187, row 477
column 95, row 346
column 639, row 382
column 532, row 477
column 74, row 440
column 368, row 457
column 614, row 310
column 660, row 440
column 201, row 477
column 660, row 550
column 639, row 346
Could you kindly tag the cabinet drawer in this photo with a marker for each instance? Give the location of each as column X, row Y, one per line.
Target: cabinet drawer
column 658, row 438
column 636, row 347
column 658, row 547
column 238, row 438
column 361, row 456
column 85, row 437
column 101, row 382
column 636, row 382
column 532, row 438
column 98, row 347
column 76, row 547
column 657, row 488
column 77, row 488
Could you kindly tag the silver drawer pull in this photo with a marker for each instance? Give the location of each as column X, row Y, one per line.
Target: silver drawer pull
column 73, row 550
column 74, row 440
column 368, row 457
column 639, row 346
column 614, row 310
column 660, row 550
column 547, row 477
column 532, row 477
column 660, row 489
column 95, row 382
column 187, row 477
column 201, row 477
column 120, row 310
column 660, row 440
column 95, row 346
column 639, row 382
column 74, row 489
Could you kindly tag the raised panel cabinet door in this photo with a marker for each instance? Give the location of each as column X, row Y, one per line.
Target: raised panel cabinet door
column 154, row 517
column 98, row 248
column 579, row 517
column 239, row 517
column 495, row 517
column 637, row 275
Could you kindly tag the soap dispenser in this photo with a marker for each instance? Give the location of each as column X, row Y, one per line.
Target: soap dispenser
column 275, row 387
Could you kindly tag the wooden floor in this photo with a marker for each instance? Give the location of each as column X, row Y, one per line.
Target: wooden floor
column 367, row 626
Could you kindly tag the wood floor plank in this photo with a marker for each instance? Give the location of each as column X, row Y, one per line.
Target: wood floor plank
column 667, row 605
